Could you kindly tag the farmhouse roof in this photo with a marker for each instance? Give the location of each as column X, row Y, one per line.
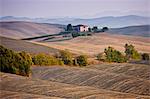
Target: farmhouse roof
column 81, row 25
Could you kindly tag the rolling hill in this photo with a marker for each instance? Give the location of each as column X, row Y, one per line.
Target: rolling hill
column 141, row 30
column 92, row 45
column 14, row 86
column 22, row 29
column 20, row 45
column 113, row 79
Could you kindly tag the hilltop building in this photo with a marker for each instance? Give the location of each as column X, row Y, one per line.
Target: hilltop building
column 80, row 28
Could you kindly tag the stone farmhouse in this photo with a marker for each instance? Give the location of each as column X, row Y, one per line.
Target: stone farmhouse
column 80, row 28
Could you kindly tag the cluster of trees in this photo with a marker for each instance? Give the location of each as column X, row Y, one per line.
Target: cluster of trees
column 19, row 63
column 112, row 55
column 96, row 29
column 46, row 60
column 16, row 63
column 68, row 59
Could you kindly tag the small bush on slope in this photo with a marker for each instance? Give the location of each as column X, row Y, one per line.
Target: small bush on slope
column 131, row 52
column 66, row 57
column 16, row 63
column 82, row 60
column 43, row 59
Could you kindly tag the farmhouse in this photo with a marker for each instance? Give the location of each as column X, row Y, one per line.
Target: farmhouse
column 81, row 28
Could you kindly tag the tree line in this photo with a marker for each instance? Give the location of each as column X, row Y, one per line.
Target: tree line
column 20, row 63
column 112, row 55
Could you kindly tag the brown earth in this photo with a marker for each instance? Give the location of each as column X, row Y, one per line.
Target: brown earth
column 14, row 86
column 125, row 78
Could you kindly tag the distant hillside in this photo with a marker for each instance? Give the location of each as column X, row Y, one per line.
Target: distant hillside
column 142, row 30
column 109, row 21
column 20, row 45
column 21, row 29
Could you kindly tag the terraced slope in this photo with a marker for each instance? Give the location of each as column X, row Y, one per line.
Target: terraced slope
column 135, row 70
column 20, row 45
column 14, row 86
column 114, row 81
column 22, row 29
column 95, row 44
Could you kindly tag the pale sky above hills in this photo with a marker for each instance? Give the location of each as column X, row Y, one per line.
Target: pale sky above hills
column 74, row 8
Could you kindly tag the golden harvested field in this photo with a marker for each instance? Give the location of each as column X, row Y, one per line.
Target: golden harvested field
column 14, row 87
column 92, row 45
column 125, row 78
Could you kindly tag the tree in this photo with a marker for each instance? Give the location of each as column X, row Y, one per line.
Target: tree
column 69, row 27
column 16, row 63
column 82, row 60
column 95, row 28
column 89, row 29
column 113, row 55
column 66, row 57
column 131, row 52
column 145, row 56
column 104, row 29
column 25, row 67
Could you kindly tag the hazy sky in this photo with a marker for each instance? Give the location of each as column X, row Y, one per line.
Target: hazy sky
column 74, row 8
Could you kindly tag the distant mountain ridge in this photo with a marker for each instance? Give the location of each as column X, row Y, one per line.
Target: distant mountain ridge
column 109, row 21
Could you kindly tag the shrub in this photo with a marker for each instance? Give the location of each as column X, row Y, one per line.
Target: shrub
column 75, row 34
column 104, row 29
column 16, row 63
column 43, row 59
column 26, row 63
column 145, row 56
column 82, row 60
column 113, row 55
column 89, row 34
column 66, row 57
column 131, row 52
column 95, row 29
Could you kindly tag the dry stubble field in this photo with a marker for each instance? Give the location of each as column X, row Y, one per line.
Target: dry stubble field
column 92, row 45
